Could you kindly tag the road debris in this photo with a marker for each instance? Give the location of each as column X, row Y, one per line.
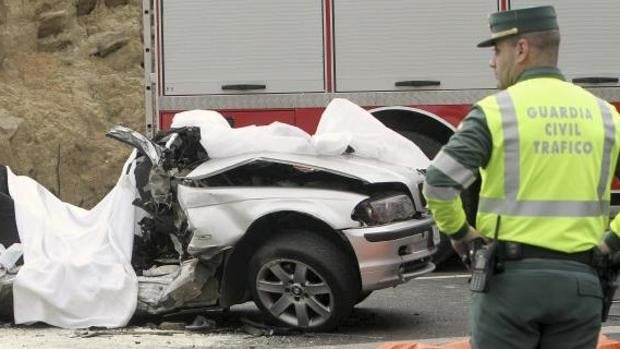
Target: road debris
column 257, row 329
column 201, row 324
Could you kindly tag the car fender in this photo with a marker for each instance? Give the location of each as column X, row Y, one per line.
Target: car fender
column 220, row 216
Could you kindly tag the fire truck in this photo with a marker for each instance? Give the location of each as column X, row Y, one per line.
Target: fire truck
column 413, row 64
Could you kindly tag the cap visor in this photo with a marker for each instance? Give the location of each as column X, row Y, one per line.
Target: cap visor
column 487, row 43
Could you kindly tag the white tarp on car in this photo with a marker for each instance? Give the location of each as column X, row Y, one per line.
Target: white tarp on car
column 77, row 270
column 342, row 124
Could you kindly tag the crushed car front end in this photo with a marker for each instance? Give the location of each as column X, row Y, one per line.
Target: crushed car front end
column 397, row 237
column 376, row 207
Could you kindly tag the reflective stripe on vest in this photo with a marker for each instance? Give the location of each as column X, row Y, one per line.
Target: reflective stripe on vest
column 509, row 205
column 454, row 169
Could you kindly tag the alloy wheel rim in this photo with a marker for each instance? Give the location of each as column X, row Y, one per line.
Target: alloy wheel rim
column 295, row 293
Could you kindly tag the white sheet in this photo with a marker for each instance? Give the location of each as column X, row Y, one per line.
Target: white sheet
column 342, row 124
column 220, row 140
column 77, row 263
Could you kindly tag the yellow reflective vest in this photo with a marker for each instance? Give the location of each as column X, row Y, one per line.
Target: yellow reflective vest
column 554, row 153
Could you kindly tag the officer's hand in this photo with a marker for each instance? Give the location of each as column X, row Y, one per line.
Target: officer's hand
column 610, row 244
column 461, row 246
column 603, row 248
column 612, row 255
column 462, row 250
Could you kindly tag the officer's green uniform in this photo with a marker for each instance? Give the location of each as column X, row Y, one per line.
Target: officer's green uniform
column 546, row 150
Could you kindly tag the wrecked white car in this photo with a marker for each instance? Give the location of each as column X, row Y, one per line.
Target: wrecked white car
column 306, row 237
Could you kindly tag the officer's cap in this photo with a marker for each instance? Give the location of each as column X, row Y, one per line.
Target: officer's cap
column 519, row 21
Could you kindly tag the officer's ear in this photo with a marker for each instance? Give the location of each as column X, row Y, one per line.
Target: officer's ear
column 522, row 50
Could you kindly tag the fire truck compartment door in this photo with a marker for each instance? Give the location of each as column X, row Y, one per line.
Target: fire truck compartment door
column 588, row 50
column 242, row 46
column 416, row 44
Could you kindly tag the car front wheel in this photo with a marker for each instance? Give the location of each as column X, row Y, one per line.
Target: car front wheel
column 302, row 280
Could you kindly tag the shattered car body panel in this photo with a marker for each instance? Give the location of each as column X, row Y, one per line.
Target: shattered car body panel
column 137, row 140
column 191, row 284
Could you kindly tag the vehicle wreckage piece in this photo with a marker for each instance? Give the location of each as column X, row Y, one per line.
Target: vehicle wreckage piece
column 10, row 256
column 170, row 287
column 166, row 288
column 8, row 270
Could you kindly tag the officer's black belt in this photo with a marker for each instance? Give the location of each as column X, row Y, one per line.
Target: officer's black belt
column 513, row 251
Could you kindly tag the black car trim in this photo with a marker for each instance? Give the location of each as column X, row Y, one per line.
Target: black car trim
column 425, row 225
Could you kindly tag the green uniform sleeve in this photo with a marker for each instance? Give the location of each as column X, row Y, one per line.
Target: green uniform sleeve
column 471, row 144
column 454, row 169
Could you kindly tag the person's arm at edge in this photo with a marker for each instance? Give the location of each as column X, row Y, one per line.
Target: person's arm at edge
column 611, row 240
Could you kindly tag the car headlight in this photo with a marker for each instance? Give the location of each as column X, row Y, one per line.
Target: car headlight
column 378, row 211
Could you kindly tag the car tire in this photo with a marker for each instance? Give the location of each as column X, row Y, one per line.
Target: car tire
column 362, row 296
column 302, row 280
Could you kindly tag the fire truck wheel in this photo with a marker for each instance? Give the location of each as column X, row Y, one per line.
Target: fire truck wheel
column 431, row 147
column 428, row 145
column 302, row 280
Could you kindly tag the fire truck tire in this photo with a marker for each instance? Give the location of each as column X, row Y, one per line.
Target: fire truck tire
column 302, row 280
column 428, row 145
column 431, row 147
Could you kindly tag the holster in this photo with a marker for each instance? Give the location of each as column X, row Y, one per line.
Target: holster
column 607, row 267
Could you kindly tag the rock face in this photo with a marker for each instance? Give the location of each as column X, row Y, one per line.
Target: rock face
column 69, row 70
column 114, row 3
column 85, row 7
column 51, row 23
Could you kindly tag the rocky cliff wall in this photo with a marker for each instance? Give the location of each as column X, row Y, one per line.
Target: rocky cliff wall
column 69, row 70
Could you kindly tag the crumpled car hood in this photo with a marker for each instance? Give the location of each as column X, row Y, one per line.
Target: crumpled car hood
column 364, row 169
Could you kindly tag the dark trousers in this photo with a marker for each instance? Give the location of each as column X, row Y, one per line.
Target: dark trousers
column 538, row 304
column 8, row 227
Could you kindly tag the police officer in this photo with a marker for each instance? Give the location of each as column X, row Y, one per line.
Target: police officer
column 545, row 150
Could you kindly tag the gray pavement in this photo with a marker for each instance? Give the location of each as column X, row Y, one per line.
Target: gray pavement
column 612, row 332
column 431, row 310
column 54, row 338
